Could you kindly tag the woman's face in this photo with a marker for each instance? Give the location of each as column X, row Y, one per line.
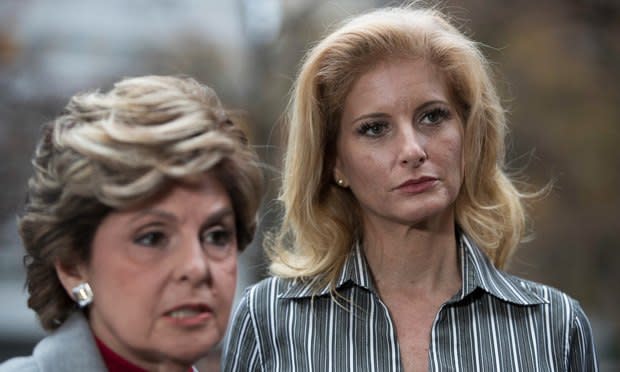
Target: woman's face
column 163, row 275
column 400, row 145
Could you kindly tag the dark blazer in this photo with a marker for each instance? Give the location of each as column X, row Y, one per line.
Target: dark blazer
column 71, row 347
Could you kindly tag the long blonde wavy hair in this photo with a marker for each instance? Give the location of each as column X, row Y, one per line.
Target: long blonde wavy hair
column 321, row 221
column 113, row 150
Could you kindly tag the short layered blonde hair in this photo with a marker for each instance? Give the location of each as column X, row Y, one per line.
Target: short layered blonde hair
column 113, row 150
column 322, row 221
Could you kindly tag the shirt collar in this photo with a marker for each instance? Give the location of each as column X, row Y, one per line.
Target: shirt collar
column 476, row 271
column 355, row 271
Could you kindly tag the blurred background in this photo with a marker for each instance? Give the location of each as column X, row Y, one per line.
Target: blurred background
column 558, row 64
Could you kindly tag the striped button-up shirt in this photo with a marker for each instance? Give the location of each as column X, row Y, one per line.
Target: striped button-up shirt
column 496, row 322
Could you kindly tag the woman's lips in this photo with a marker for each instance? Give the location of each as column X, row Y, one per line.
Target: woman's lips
column 416, row 186
column 189, row 315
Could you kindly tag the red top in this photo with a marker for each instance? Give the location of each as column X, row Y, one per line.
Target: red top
column 115, row 362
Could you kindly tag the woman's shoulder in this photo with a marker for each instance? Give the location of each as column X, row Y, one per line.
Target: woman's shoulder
column 71, row 347
column 563, row 316
column 21, row 364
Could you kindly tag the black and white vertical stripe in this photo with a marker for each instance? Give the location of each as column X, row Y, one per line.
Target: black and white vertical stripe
column 497, row 322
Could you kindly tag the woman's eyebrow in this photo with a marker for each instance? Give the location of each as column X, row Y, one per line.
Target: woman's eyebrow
column 214, row 216
column 219, row 215
column 372, row 115
column 154, row 212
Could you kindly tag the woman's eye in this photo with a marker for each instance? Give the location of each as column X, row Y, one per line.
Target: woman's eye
column 218, row 243
column 152, row 239
column 435, row 116
column 373, row 129
column 218, row 237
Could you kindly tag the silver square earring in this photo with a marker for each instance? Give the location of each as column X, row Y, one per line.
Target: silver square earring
column 82, row 294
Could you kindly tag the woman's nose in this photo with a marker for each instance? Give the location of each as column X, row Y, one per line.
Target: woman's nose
column 193, row 265
column 412, row 152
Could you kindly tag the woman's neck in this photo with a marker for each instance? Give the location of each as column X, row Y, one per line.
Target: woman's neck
column 116, row 362
column 420, row 260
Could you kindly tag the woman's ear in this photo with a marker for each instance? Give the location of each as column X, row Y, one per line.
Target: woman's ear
column 339, row 178
column 70, row 277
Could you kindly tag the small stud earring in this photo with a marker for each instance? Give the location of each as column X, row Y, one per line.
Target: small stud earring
column 340, row 182
column 82, row 294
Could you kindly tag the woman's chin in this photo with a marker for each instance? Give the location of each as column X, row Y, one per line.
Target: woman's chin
column 190, row 353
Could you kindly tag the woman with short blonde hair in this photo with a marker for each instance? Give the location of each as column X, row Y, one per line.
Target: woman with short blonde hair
column 139, row 200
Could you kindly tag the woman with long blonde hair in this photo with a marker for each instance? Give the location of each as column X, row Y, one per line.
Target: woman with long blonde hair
column 399, row 216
